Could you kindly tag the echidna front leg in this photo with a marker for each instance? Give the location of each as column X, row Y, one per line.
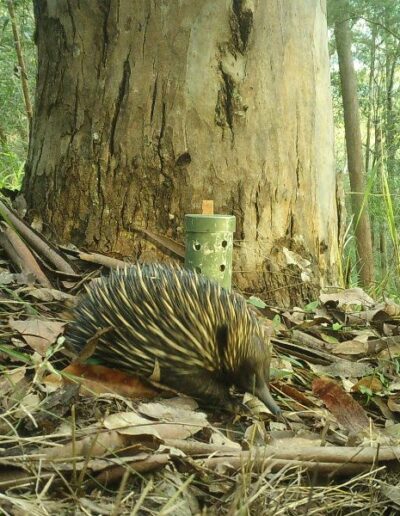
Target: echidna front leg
column 207, row 389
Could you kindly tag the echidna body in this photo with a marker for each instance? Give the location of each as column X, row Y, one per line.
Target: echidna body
column 200, row 338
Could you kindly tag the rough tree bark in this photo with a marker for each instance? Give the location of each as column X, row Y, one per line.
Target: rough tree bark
column 144, row 108
column 351, row 112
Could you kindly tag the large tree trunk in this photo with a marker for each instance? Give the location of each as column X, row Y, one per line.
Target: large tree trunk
column 144, row 108
column 348, row 81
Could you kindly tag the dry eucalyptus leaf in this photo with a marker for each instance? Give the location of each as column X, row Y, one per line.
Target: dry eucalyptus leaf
column 130, row 423
column 372, row 383
column 166, row 412
column 39, row 334
column 98, row 379
column 392, row 308
column 393, row 351
column 295, row 317
column 343, row 369
column 220, row 439
column 347, row 384
column 394, row 403
column 351, row 347
column 170, row 489
column 174, row 452
column 178, row 402
column 389, row 329
column 49, row 294
column 9, row 379
column 348, row 299
column 30, row 403
column 392, row 430
column 346, row 410
column 255, row 404
column 256, row 434
column 220, row 487
column 277, row 426
column 6, row 278
column 391, row 492
column 384, row 409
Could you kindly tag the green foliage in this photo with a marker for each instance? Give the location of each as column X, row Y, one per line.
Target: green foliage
column 376, row 55
column 256, row 301
column 311, row 307
column 13, row 122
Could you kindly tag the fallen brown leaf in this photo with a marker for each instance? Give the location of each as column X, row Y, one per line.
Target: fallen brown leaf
column 348, row 299
column 97, row 379
column 170, row 424
column 370, row 382
column 394, row 403
column 346, row 410
column 39, row 334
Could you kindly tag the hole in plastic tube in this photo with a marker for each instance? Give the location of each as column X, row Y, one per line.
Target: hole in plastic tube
column 198, row 269
column 222, row 268
column 224, row 243
column 197, row 246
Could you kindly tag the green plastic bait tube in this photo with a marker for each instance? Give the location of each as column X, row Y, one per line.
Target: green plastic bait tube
column 209, row 246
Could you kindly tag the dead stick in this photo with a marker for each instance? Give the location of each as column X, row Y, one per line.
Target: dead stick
column 20, row 253
column 115, row 473
column 198, row 448
column 101, row 259
column 261, row 464
column 339, row 454
column 174, row 247
column 35, row 240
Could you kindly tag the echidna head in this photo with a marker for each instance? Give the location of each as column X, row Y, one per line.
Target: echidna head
column 253, row 374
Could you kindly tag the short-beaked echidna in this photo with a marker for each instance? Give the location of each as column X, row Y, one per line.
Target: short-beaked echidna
column 200, row 338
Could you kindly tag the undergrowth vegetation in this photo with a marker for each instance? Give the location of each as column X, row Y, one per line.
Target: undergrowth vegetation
column 14, row 131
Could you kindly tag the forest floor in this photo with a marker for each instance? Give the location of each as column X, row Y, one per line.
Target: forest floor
column 83, row 439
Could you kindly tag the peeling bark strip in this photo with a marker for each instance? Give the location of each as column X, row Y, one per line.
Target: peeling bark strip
column 169, row 103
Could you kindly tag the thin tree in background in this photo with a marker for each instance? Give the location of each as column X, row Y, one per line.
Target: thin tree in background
column 355, row 160
column 371, row 114
column 21, row 62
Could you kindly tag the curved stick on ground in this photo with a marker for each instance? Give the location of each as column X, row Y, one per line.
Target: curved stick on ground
column 35, row 240
column 21, row 255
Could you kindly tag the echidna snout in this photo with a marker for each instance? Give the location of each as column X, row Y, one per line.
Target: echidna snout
column 264, row 394
column 201, row 338
column 254, row 374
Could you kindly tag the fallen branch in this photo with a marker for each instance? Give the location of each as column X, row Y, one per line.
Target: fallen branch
column 260, row 464
column 334, row 454
column 115, row 473
column 21, row 255
column 35, row 240
column 101, row 259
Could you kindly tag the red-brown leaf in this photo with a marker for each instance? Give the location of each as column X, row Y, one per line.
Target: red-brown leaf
column 345, row 409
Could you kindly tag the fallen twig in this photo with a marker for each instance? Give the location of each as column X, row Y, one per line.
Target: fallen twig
column 35, row 240
column 21, row 255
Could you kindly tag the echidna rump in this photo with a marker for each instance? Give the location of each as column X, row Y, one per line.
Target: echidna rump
column 200, row 338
